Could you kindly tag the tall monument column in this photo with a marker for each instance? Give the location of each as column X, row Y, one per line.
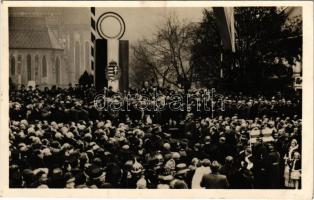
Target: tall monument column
column 111, row 28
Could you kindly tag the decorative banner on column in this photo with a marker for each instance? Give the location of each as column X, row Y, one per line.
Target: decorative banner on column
column 113, row 71
column 110, row 26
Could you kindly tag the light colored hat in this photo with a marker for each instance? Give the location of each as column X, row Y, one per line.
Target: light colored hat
column 39, row 133
column 46, row 152
column 175, row 155
column 43, row 186
column 30, row 130
column 100, row 124
column 163, row 186
column 137, row 167
column 23, row 147
column 69, row 135
column 58, row 135
column 141, row 184
column 64, row 130
column 167, row 146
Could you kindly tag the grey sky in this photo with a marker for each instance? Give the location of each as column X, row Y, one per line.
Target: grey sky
column 140, row 22
column 143, row 22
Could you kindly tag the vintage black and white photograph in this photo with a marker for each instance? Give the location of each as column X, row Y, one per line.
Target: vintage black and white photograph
column 156, row 97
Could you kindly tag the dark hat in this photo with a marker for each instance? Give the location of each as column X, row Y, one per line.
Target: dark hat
column 97, row 161
column 55, row 144
column 180, row 185
column 95, row 171
column 15, row 174
column 215, row 166
column 57, row 172
column 27, row 173
column 80, row 178
column 206, row 162
column 166, row 178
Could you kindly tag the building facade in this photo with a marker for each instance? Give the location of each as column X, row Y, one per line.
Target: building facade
column 49, row 46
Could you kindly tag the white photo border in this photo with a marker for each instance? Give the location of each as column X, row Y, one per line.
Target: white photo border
column 307, row 109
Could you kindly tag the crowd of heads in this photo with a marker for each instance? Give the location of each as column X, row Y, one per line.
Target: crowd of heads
column 58, row 139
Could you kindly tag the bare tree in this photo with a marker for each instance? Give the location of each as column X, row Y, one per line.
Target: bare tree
column 168, row 53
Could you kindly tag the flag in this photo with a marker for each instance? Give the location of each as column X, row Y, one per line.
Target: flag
column 225, row 22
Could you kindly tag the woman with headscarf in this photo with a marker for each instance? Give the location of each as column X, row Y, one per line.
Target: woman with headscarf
column 288, row 159
column 295, row 165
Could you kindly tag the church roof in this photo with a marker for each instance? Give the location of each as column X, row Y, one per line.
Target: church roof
column 31, row 33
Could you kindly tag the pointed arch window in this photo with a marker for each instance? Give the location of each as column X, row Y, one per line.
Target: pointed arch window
column 29, row 67
column 12, row 61
column 44, row 66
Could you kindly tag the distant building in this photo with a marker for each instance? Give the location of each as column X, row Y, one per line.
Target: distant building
column 49, row 46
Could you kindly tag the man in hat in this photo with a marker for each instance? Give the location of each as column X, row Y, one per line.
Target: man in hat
column 214, row 180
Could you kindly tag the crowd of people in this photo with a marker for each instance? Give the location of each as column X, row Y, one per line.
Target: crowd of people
column 59, row 139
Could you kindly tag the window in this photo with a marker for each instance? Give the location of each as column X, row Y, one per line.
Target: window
column 87, row 61
column 36, row 66
column 19, row 64
column 77, row 59
column 57, row 70
column 29, row 67
column 12, row 66
column 44, row 66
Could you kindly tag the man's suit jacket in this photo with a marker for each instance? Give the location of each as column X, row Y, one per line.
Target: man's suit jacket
column 214, row 181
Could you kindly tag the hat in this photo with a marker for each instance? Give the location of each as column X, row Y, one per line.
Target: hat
column 88, row 136
column 58, row 135
column 222, row 139
column 197, row 145
column 163, row 186
column 81, row 127
column 166, row 178
column 97, row 161
column 43, row 186
column 24, row 122
column 141, row 184
column 64, row 130
column 167, row 156
column 30, row 130
column 206, row 162
column 95, row 171
column 71, row 180
column 166, row 146
column 137, row 167
column 39, row 133
column 179, row 184
column 27, row 173
column 229, row 159
column 22, row 147
column 83, row 156
column 181, row 169
column 215, row 166
column 207, row 139
column 126, row 147
column 69, row 135
column 46, row 152
column 176, row 155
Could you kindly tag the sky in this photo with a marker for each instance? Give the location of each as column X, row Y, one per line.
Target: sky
column 143, row 22
column 140, row 22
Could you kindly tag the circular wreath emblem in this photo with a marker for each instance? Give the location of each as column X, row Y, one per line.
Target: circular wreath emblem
column 110, row 25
